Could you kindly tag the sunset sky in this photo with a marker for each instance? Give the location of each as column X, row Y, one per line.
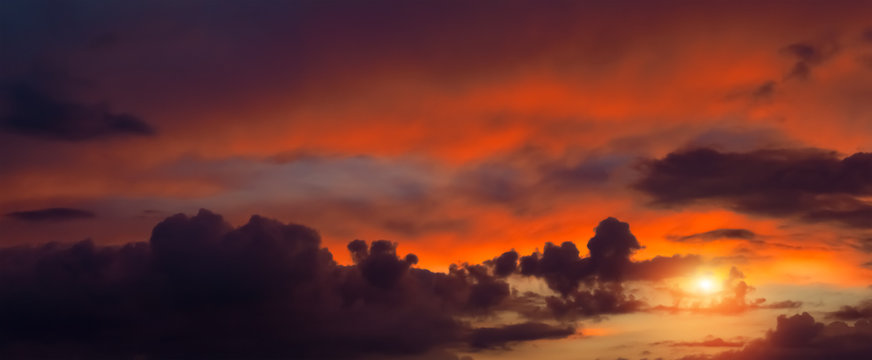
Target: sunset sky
column 436, row 179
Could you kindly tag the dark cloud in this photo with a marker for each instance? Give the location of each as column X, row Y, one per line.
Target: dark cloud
column 853, row 312
column 809, row 184
column 490, row 337
column 609, row 261
column 506, row 264
column 717, row 234
column 29, row 111
column 203, row 289
column 592, row 286
column 800, row 337
column 51, row 214
column 380, row 265
column 604, row 299
column 200, row 288
column 808, row 55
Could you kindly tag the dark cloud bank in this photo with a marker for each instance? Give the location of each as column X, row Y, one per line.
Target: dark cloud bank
column 800, row 337
column 809, row 184
column 203, row 289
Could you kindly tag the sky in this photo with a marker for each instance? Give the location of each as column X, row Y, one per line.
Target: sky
column 447, row 180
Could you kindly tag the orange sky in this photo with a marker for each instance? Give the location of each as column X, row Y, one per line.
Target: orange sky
column 461, row 132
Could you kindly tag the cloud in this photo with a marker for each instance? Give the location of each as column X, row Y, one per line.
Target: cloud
column 202, row 288
column 33, row 112
column 718, row 234
column 609, row 261
column 604, row 299
column 808, row 55
column 764, row 91
column 708, row 342
column 505, row 264
column 602, row 273
column 800, row 337
column 853, row 312
column 490, row 337
column 809, row 184
column 51, row 214
column 530, row 180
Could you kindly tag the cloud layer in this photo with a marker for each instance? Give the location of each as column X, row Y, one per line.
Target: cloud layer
column 809, row 184
column 201, row 288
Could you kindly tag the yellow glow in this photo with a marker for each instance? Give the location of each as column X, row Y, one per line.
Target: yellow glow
column 706, row 285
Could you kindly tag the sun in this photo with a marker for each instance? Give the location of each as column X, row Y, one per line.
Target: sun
column 706, row 285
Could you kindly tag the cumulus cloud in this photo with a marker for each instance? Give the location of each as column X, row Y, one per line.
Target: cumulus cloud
column 809, row 184
column 202, row 288
column 609, row 261
column 593, row 285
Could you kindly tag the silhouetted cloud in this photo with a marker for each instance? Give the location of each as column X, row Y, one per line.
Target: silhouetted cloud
column 51, row 214
column 800, row 337
column 505, row 264
column 717, row 234
column 201, row 288
column 609, row 261
column 602, row 273
column 853, row 312
column 33, row 112
column 811, row 184
column 499, row 336
column 604, row 299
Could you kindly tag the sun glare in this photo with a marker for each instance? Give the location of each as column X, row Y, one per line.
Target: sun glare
column 706, row 285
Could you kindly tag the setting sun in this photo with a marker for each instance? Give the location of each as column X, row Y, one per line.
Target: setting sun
column 706, row 285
